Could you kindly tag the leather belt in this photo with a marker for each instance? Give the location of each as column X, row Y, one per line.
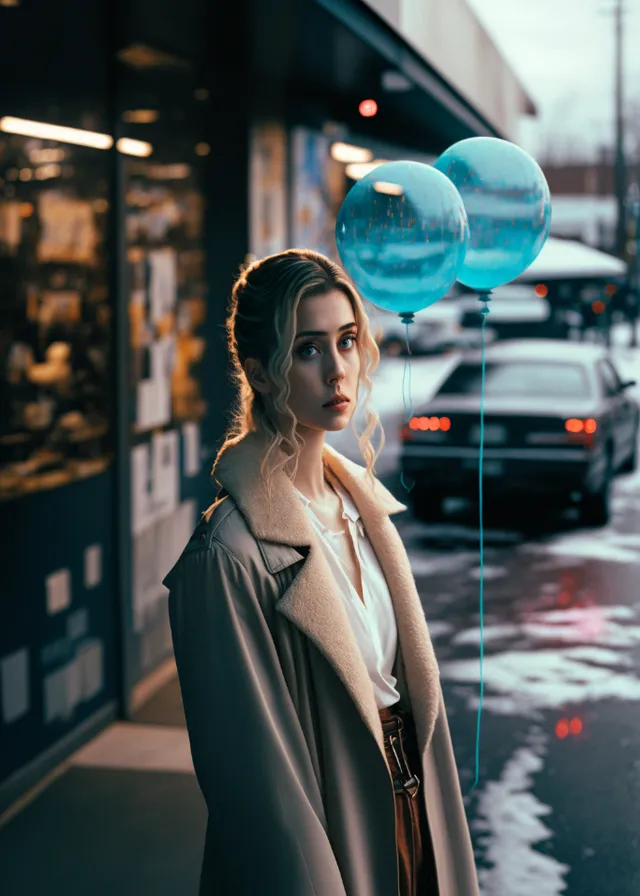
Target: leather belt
column 407, row 782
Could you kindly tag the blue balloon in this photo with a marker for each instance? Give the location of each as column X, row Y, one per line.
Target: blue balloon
column 402, row 234
column 508, row 206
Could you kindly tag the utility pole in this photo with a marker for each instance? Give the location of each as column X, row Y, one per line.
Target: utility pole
column 620, row 169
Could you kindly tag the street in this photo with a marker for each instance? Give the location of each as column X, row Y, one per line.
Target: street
column 562, row 641
column 555, row 807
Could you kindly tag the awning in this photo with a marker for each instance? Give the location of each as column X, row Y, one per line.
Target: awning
column 570, row 260
column 319, row 58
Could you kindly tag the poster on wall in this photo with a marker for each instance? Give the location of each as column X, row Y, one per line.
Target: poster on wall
column 153, row 314
column 319, row 186
column 68, row 229
column 167, row 308
column 268, row 197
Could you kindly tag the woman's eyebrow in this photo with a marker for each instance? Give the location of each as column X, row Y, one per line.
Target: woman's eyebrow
column 324, row 332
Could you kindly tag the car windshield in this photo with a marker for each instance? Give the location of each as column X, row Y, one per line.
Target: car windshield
column 520, row 378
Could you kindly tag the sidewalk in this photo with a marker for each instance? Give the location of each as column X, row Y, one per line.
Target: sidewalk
column 125, row 817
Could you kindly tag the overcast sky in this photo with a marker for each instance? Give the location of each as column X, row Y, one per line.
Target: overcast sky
column 563, row 52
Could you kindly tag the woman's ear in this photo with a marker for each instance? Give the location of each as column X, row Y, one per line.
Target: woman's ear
column 256, row 375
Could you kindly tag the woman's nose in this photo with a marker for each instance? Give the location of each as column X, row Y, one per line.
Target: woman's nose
column 336, row 371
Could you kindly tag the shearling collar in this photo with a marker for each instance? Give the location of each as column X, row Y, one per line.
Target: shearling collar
column 284, row 519
column 312, row 601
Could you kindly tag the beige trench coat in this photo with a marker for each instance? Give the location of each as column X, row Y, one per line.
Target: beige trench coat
column 284, row 729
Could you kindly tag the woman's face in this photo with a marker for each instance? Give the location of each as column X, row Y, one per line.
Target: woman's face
column 325, row 361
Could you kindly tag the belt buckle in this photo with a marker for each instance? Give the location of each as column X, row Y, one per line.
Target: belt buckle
column 412, row 786
column 408, row 782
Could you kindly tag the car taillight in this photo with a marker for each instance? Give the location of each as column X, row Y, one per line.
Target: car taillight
column 430, row 424
column 424, row 424
column 575, row 425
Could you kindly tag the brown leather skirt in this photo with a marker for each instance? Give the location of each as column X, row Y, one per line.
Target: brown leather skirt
column 413, row 839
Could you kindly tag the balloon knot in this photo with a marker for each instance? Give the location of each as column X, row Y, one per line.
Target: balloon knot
column 407, row 317
column 486, row 298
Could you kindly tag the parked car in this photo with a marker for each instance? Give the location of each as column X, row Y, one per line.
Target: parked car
column 516, row 311
column 434, row 331
column 454, row 324
column 559, row 423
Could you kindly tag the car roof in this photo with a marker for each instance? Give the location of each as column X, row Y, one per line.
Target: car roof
column 539, row 350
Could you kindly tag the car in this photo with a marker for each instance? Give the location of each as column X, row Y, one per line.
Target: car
column 559, row 424
column 435, row 331
column 516, row 311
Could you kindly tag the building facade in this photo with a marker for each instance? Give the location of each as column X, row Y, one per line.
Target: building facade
column 147, row 151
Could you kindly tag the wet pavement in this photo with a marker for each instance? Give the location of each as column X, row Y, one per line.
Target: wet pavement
column 555, row 810
column 556, row 806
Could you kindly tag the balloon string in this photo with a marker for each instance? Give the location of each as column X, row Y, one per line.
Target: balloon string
column 486, row 298
column 406, row 319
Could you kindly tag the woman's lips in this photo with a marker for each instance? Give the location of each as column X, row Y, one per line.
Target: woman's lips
column 337, row 406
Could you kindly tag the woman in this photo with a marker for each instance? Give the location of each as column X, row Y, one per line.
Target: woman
column 311, row 692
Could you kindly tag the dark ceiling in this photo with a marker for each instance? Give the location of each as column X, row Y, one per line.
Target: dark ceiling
column 306, row 60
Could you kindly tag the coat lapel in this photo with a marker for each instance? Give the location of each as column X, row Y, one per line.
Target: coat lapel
column 312, row 602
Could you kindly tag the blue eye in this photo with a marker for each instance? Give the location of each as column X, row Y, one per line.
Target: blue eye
column 351, row 336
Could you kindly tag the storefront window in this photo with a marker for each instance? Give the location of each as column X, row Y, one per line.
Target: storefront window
column 168, row 310
column 55, row 314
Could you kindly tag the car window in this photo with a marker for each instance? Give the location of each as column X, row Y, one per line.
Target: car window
column 609, row 377
column 520, row 378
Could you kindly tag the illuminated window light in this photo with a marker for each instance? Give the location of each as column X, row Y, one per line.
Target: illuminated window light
column 368, row 108
column 140, row 116
column 134, row 147
column 40, row 156
column 360, row 169
column 45, row 172
column 142, row 56
column 23, row 127
column 175, row 171
column 44, row 131
column 345, row 152
column 202, row 149
column 598, row 307
column 541, row 290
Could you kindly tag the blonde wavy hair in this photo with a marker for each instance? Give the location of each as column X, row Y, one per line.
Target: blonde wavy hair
column 261, row 324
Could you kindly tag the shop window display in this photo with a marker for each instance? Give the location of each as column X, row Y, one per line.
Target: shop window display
column 55, row 315
column 167, row 310
column 167, row 293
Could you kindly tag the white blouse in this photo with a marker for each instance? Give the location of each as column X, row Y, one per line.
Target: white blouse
column 374, row 625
